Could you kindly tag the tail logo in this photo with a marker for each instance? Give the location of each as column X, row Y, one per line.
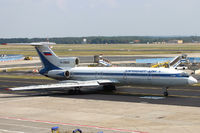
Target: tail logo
column 47, row 53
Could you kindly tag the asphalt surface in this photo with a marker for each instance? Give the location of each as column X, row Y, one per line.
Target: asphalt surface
column 179, row 96
column 23, row 125
column 85, row 59
column 182, row 96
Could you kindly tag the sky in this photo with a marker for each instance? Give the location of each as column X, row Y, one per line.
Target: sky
column 80, row 18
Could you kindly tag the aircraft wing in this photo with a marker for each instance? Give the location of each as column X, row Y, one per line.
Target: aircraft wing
column 66, row 84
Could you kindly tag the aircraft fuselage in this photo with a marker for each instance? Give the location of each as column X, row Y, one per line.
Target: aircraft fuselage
column 134, row 76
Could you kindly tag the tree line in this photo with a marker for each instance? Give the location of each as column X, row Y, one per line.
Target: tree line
column 104, row 39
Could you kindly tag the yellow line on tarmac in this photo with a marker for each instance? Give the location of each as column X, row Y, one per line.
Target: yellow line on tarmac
column 139, row 94
column 148, row 94
column 6, row 86
column 184, row 90
column 147, row 88
column 196, row 85
column 184, row 96
column 24, row 77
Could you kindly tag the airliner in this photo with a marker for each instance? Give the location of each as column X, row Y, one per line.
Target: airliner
column 73, row 77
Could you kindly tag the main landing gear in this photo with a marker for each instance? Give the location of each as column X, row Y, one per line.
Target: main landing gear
column 76, row 90
column 109, row 88
column 165, row 93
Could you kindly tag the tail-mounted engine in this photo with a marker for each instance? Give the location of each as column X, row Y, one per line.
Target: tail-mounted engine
column 67, row 74
column 59, row 74
column 69, row 62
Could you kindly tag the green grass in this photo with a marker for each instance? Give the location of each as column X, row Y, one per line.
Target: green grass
column 128, row 46
column 24, row 77
column 85, row 53
column 64, row 49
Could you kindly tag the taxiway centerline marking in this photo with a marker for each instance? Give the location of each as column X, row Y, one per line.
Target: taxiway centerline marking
column 148, row 94
column 173, row 89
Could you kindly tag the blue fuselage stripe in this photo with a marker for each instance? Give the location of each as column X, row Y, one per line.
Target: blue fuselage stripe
column 126, row 74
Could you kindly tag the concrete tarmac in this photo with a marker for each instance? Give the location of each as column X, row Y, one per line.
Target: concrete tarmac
column 129, row 109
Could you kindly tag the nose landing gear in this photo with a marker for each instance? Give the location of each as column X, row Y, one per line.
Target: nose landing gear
column 165, row 93
column 76, row 90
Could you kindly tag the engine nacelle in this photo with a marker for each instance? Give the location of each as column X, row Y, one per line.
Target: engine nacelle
column 59, row 74
column 69, row 62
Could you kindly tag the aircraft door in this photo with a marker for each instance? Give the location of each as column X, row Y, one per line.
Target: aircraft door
column 99, row 75
column 125, row 76
column 149, row 75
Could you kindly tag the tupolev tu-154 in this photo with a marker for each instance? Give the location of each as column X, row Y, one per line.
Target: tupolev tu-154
column 70, row 75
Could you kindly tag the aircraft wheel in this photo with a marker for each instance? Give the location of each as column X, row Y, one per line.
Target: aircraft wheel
column 165, row 94
column 71, row 92
column 78, row 91
column 109, row 88
column 74, row 92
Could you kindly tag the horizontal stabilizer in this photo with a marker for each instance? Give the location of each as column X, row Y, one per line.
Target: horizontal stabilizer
column 31, row 44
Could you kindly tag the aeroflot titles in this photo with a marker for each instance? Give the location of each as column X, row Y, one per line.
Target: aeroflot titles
column 150, row 71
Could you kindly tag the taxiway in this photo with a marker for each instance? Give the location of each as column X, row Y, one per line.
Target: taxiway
column 129, row 109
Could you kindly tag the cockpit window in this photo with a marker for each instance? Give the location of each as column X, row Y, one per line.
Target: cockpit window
column 184, row 74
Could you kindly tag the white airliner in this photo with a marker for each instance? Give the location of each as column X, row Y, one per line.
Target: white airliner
column 72, row 76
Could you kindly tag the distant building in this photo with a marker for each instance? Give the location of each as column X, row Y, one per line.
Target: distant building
column 180, row 41
column 136, row 41
column 176, row 41
column 84, row 41
column 159, row 42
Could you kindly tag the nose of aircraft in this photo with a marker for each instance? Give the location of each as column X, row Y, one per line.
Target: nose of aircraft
column 192, row 80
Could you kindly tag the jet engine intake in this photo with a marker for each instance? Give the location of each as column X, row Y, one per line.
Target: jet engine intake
column 59, row 74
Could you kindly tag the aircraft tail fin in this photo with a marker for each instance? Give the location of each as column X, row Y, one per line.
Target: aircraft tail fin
column 49, row 59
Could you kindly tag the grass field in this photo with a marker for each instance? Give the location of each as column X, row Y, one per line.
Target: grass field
column 67, row 49
column 23, row 77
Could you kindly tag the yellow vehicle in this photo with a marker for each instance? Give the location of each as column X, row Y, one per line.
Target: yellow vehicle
column 164, row 64
column 28, row 58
